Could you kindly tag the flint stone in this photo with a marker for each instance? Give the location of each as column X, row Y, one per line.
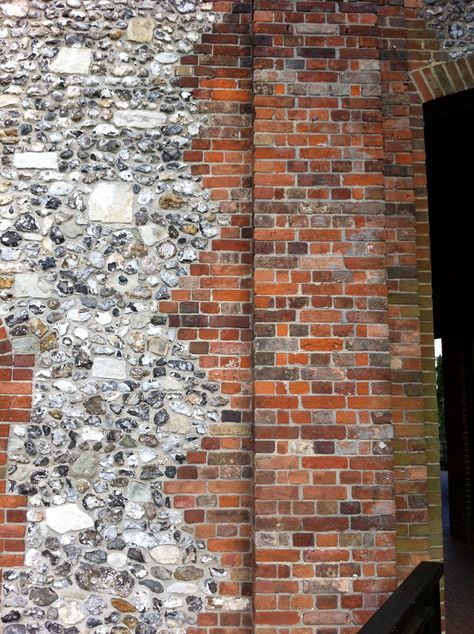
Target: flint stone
column 167, row 58
column 140, row 30
column 139, row 538
column 11, row 617
column 72, row 61
column 165, row 554
column 67, row 517
column 154, row 586
column 123, row 606
column 109, row 368
column 111, row 202
column 43, row 596
column 170, row 383
column 188, row 573
column 85, row 466
column 71, row 229
column 16, row 628
column 36, row 160
column 31, row 285
column 104, row 579
column 158, row 346
column 95, row 604
column 171, row 201
column 139, row 119
column 94, row 405
column 160, row 572
column 60, row 188
column 90, row 538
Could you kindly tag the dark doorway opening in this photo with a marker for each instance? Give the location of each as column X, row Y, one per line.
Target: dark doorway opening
column 449, row 138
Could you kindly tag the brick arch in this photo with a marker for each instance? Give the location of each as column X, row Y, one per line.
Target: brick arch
column 443, row 79
column 16, row 381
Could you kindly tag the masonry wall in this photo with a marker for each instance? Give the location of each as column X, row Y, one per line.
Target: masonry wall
column 215, row 285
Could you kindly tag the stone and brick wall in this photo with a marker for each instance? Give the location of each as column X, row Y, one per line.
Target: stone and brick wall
column 217, row 367
column 128, row 282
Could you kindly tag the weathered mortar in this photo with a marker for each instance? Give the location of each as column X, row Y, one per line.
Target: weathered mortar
column 100, row 218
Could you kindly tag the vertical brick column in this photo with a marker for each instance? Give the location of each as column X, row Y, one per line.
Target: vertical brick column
column 324, row 505
column 15, row 404
column 410, row 396
column 212, row 312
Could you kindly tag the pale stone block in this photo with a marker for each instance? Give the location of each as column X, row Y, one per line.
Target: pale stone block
column 109, row 368
column 36, row 160
column 179, row 424
column 151, row 234
column 71, row 613
column 140, row 29
column 9, row 101
column 165, row 554
column 15, row 8
column 228, row 604
column 72, row 61
column 230, row 429
column 139, row 119
column 111, row 202
column 116, row 559
column 158, row 345
column 138, row 492
column 31, row 285
column 182, row 587
column 170, row 383
column 327, row 586
column 67, row 517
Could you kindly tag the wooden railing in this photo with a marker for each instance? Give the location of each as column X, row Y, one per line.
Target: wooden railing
column 414, row 608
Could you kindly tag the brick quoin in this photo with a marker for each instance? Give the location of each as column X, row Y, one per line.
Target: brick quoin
column 212, row 311
column 15, row 405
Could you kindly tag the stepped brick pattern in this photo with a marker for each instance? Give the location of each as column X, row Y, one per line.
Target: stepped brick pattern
column 218, row 391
